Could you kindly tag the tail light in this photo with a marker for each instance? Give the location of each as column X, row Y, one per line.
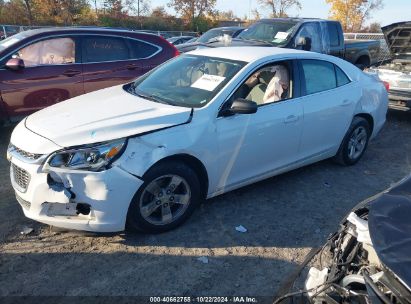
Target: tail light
column 175, row 51
column 386, row 85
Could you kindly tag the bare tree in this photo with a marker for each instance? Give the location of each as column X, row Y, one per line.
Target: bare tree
column 225, row 15
column 139, row 7
column 29, row 8
column 279, row 8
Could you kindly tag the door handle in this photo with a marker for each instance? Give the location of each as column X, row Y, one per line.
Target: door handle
column 346, row 103
column 290, row 119
column 71, row 73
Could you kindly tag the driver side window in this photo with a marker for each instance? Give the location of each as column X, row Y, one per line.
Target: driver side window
column 48, row 52
column 269, row 84
column 311, row 31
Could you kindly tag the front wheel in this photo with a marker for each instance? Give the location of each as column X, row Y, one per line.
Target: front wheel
column 354, row 143
column 170, row 193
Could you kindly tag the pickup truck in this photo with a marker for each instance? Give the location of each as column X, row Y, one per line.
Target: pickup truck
column 316, row 35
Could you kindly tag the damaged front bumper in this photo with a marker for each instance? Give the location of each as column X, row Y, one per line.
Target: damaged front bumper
column 81, row 200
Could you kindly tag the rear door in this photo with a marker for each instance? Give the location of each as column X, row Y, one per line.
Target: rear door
column 52, row 73
column 328, row 104
column 113, row 60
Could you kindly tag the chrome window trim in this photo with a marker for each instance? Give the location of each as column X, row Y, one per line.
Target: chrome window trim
column 159, row 48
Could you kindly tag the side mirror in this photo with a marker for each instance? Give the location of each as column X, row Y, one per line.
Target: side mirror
column 304, row 43
column 241, row 106
column 15, row 64
column 301, row 41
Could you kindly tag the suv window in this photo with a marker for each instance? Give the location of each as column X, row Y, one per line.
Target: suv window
column 48, row 52
column 334, row 34
column 141, row 49
column 101, row 49
column 319, row 76
column 311, row 30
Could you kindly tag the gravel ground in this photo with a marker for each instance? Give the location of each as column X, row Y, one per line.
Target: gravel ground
column 286, row 216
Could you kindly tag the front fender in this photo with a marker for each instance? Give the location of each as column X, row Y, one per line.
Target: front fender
column 144, row 151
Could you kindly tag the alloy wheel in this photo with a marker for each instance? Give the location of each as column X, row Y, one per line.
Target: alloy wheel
column 165, row 199
column 357, row 142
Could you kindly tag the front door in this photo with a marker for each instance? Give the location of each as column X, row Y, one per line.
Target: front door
column 52, row 73
column 252, row 146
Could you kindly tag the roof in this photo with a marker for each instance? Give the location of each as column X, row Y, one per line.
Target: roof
column 246, row 54
column 300, row 20
column 226, row 28
column 73, row 29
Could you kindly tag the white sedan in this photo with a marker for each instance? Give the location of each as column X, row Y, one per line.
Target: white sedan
column 144, row 155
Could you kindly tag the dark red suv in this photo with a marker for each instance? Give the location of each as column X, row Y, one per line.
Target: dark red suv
column 41, row 67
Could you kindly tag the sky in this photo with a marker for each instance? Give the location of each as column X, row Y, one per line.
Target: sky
column 393, row 11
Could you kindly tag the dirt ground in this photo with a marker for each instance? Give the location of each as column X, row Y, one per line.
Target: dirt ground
column 285, row 216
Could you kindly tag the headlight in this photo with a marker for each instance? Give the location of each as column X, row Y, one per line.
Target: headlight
column 91, row 157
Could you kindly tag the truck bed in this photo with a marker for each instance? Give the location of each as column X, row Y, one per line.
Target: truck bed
column 355, row 47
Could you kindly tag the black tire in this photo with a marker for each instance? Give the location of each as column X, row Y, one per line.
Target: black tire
column 135, row 219
column 343, row 156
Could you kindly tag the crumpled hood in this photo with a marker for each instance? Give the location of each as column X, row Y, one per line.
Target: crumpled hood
column 390, row 229
column 398, row 37
column 103, row 115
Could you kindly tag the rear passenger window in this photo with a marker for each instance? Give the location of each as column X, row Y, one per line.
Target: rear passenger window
column 101, row 49
column 342, row 79
column 319, row 76
column 141, row 49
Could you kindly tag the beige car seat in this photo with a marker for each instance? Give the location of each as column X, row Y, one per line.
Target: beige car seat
column 257, row 92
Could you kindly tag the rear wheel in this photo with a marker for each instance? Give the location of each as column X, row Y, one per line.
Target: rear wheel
column 167, row 198
column 354, row 143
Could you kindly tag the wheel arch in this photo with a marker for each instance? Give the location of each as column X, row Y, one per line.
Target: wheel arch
column 194, row 163
column 363, row 60
column 368, row 117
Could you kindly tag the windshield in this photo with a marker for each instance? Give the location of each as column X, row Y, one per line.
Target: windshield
column 277, row 33
column 11, row 40
column 187, row 81
column 207, row 36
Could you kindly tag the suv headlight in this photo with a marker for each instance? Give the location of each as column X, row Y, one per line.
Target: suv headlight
column 93, row 157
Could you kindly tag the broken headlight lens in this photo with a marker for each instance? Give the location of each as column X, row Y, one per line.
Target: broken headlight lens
column 92, row 158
